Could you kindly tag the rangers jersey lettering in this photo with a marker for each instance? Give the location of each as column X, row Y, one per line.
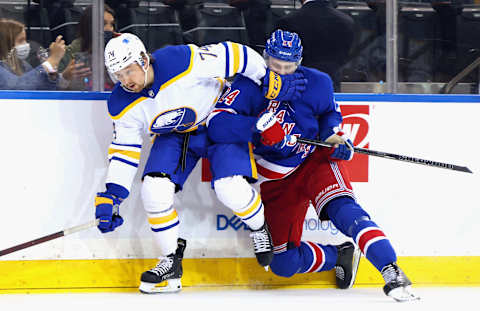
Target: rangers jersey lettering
column 232, row 121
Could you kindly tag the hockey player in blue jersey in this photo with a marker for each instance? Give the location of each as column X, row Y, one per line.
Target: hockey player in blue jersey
column 168, row 95
column 293, row 175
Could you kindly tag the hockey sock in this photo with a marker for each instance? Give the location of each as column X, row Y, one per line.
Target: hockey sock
column 245, row 202
column 354, row 222
column 308, row 257
column 165, row 230
column 252, row 214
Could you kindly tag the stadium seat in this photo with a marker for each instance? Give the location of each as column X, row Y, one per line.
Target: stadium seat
column 468, row 40
column 157, row 25
column 216, row 23
column 64, row 19
column 366, row 33
column 416, row 42
column 34, row 17
column 446, row 55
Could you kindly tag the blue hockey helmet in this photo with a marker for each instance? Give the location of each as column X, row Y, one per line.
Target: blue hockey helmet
column 284, row 45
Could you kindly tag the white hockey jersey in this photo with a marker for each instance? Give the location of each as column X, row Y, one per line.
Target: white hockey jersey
column 187, row 83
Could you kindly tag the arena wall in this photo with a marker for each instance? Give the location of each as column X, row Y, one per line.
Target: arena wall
column 54, row 161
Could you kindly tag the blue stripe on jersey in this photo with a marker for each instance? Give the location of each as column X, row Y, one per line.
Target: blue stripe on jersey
column 245, row 59
column 124, row 161
column 165, row 228
column 127, row 145
column 227, row 59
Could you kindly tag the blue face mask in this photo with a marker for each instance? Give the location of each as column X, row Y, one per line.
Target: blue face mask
column 107, row 35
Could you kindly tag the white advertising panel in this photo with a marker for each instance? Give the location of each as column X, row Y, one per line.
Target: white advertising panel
column 54, row 161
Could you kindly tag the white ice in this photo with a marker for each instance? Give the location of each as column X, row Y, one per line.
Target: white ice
column 368, row 299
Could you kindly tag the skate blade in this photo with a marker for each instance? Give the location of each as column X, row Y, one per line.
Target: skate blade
column 171, row 286
column 357, row 254
column 403, row 294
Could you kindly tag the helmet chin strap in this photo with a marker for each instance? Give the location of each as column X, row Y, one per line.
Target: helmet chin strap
column 146, row 72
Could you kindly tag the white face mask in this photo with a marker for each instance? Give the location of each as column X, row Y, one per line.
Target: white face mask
column 23, row 50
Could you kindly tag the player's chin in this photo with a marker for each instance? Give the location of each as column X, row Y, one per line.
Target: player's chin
column 134, row 88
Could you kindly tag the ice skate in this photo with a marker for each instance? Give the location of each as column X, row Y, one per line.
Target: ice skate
column 397, row 285
column 347, row 265
column 263, row 246
column 166, row 276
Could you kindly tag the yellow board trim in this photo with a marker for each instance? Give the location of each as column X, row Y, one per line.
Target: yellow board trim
column 186, row 72
column 124, row 274
column 128, row 153
column 130, row 106
column 164, row 219
column 252, row 208
column 236, row 57
column 253, row 164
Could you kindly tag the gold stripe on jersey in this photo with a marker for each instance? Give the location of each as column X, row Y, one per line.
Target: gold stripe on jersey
column 236, row 57
column 186, row 72
column 130, row 106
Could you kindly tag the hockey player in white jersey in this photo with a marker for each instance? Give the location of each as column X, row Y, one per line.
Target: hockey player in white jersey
column 169, row 94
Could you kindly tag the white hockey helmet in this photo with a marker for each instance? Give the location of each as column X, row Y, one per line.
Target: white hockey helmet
column 123, row 51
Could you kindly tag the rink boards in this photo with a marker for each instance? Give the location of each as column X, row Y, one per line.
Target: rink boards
column 54, row 161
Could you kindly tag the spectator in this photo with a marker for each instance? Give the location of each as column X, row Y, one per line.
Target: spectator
column 327, row 35
column 78, row 53
column 15, row 72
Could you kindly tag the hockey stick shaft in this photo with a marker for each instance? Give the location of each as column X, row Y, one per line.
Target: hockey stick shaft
column 50, row 237
column 392, row 156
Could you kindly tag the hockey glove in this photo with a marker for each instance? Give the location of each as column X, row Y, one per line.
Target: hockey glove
column 271, row 131
column 284, row 87
column 106, row 209
column 342, row 147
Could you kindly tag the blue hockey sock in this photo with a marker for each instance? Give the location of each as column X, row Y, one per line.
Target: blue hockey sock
column 308, row 257
column 354, row 222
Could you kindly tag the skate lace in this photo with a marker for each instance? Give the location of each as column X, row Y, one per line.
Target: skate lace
column 339, row 272
column 261, row 242
column 163, row 266
column 390, row 274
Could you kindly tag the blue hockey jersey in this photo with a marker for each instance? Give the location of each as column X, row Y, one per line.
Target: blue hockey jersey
column 236, row 112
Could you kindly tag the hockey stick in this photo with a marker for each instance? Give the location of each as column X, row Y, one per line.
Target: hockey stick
column 50, row 237
column 391, row 156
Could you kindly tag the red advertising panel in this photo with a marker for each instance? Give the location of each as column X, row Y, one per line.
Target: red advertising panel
column 356, row 126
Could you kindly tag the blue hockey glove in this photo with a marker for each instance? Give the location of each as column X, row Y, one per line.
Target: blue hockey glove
column 343, row 147
column 106, row 209
column 284, row 87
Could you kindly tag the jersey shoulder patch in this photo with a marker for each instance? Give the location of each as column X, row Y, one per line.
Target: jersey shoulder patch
column 120, row 101
column 172, row 63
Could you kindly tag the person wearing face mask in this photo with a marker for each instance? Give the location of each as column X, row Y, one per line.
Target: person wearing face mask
column 78, row 53
column 15, row 72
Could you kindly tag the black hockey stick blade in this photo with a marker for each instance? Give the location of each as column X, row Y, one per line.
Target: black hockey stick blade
column 49, row 237
column 392, row 156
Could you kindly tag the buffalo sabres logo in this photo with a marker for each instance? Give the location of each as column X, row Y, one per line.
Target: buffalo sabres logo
column 180, row 119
